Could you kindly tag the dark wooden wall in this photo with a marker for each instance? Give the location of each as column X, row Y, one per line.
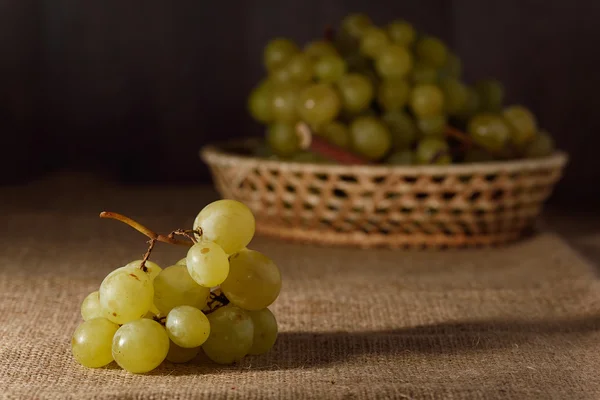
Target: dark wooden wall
column 134, row 88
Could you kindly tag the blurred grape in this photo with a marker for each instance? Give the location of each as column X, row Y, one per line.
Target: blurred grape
column 490, row 131
column 373, row 41
column 282, row 139
column 426, row 100
column 401, row 33
column 433, row 151
column 394, row 62
column 330, row 68
column 431, row 51
column 259, row 102
column 402, row 129
column 318, row 104
column 370, row 137
column 393, row 94
column 491, row 95
column 356, row 92
column 278, row 52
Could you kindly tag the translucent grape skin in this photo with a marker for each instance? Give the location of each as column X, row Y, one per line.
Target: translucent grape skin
column 433, row 126
column 393, row 94
column 318, row 104
column 330, row 68
column 394, row 62
column 254, row 280
column 265, row 331
column 402, row 129
column 337, row 133
column 356, row 92
column 370, row 137
column 283, row 103
column 180, row 355
column 426, row 100
column 231, row 335
column 187, row 326
column 283, row 139
column 126, row 294
column 228, row 223
column 373, row 41
column 91, row 308
column 432, row 51
column 401, row 33
column 92, row 341
column 259, row 102
column 207, row 263
column 402, row 157
column 175, row 287
column 278, row 52
column 489, row 131
column 433, row 151
column 523, row 124
column 152, row 268
column 140, row 346
column 320, row 48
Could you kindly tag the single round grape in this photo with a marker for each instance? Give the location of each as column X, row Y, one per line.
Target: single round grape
column 523, row 124
column 356, row 92
column 432, row 51
column 278, row 52
column 182, row 261
column 373, row 41
column 91, row 308
column 356, row 24
column 402, row 129
column 300, row 68
column 280, row 76
column 318, row 104
column 394, row 62
column 152, row 268
column 228, row 223
column 126, row 294
column 455, row 95
column 180, row 355
column 337, row 133
column 187, row 326
column 265, row 331
column 402, row 157
column 433, row 151
column 92, row 341
column 434, row 125
column 491, row 95
column 254, row 280
column 259, row 102
column 283, row 102
column 207, row 263
column 330, row 68
column 401, row 33
column 283, row 139
column 370, row 137
column 423, row 74
column 393, row 94
column 489, row 131
column 140, row 346
column 175, row 287
column 475, row 155
column 453, row 67
column 426, row 100
column 231, row 335
column 542, row 145
column 471, row 105
column 320, row 48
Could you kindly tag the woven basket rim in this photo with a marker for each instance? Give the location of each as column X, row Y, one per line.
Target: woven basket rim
column 220, row 153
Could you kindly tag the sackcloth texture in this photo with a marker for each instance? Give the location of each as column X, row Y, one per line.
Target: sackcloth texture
column 521, row 321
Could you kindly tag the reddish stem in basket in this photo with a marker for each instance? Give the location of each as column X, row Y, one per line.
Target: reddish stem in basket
column 462, row 137
column 142, row 229
column 308, row 141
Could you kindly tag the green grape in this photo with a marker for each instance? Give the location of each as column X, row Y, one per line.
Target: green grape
column 300, row 68
column 373, row 41
column 90, row 307
column 370, row 137
column 489, row 131
column 356, row 92
column 402, row 157
column 423, row 74
column 265, row 331
column 231, row 335
column 152, row 269
column 426, row 100
column 187, row 326
column 491, row 95
column 402, row 129
column 330, row 68
column 280, row 76
column 283, row 139
column 393, row 94
column 401, row 33
column 228, row 223
column 434, row 125
column 523, row 124
column 475, row 155
column 183, row 261
column 337, row 133
column 175, row 287
column 283, row 102
column 356, row 25
column 453, row 67
column 207, row 264
column 126, row 294
column 320, row 48
column 278, row 52
column 254, row 280
column 259, row 102
column 432, row 51
column 455, row 95
column 394, row 62
column 541, row 146
column 356, row 62
column 92, row 341
column 140, row 346
column 318, row 104
column 471, row 105
column 433, row 151
column 180, row 355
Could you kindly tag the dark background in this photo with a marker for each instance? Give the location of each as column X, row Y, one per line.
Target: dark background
column 132, row 89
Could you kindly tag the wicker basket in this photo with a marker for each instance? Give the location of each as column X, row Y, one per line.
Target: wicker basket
column 390, row 206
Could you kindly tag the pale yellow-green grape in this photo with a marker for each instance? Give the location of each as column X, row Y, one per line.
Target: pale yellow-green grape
column 126, row 294
column 175, row 287
column 183, row 261
column 207, row 264
column 254, row 280
column 140, row 346
column 187, row 326
column 90, row 307
column 265, row 331
column 92, row 341
column 228, row 223
column 180, row 355
column 231, row 335
column 152, row 269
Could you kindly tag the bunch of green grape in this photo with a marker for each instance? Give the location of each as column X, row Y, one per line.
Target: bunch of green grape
column 140, row 317
column 388, row 94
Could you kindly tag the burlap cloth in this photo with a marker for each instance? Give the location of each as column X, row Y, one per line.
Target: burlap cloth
column 517, row 322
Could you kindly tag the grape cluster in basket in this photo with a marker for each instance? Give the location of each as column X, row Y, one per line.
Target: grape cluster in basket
column 214, row 300
column 386, row 94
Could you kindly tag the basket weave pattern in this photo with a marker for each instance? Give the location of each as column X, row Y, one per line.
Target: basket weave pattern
column 368, row 206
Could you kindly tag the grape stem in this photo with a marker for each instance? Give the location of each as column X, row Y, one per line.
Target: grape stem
column 216, row 300
column 188, row 233
column 151, row 244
